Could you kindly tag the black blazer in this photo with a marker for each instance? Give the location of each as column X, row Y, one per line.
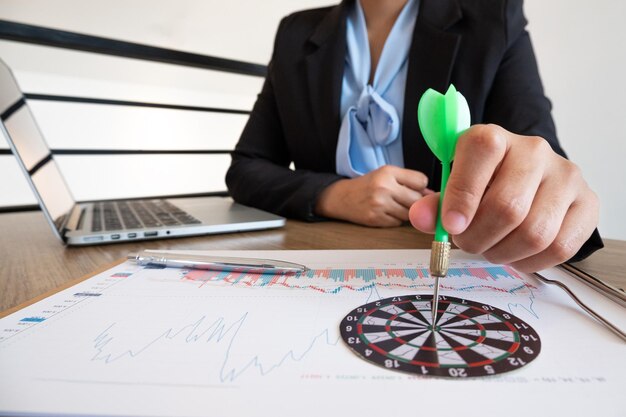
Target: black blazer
column 481, row 46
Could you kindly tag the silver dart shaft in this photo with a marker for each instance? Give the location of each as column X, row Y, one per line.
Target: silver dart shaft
column 435, row 302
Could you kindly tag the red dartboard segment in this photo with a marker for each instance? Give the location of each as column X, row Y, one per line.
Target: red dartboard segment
column 468, row 338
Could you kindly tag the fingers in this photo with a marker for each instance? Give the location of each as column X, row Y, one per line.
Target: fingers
column 396, row 210
column 478, row 154
column 406, row 185
column 385, row 220
column 400, row 185
column 538, row 230
column 574, row 232
column 508, row 200
column 405, row 196
column 423, row 213
column 394, row 190
column 413, row 180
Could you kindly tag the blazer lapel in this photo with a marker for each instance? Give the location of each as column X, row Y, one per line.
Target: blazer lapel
column 324, row 69
column 431, row 58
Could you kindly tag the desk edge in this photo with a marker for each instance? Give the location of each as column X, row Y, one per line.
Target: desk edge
column 60, row 288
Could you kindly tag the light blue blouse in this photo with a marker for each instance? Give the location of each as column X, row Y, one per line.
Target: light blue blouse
column 370, row 135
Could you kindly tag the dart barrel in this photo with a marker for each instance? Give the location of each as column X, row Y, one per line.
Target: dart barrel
column 439, row 259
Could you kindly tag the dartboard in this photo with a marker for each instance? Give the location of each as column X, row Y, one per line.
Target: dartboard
column 467, row 339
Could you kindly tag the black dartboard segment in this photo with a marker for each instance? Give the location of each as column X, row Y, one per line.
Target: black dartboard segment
column 468, row 339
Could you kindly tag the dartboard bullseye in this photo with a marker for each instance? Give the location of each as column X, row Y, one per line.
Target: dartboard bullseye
column 468, row 338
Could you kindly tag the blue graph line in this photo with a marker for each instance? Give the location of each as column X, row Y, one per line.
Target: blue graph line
column 374, row 295
column 232, row 374
column 216, row 331
column 530, row 309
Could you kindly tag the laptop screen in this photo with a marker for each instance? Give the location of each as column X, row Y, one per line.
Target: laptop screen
column 32, row 151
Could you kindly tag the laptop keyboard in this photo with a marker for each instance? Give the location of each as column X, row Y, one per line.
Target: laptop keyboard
column 138, row 214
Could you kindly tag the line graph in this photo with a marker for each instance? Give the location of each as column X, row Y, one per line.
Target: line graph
column 217, row 332
column 207, row 331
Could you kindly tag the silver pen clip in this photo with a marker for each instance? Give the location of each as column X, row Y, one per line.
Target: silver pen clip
column 216, row 263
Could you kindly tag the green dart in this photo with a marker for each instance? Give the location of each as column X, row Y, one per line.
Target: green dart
column 442, row 118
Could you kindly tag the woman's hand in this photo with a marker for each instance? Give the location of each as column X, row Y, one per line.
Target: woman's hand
column 380, row 198
column 512, row 199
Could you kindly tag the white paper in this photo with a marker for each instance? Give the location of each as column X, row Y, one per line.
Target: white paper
column 165, row 342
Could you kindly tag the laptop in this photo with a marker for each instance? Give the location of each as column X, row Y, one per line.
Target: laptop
column 96, row 222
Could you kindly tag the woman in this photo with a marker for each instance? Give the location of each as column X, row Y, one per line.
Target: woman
column 340, row 102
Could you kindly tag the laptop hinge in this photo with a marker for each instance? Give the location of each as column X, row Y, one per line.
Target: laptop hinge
column 73, row 220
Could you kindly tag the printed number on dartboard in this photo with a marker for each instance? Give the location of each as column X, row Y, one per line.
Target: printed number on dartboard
column 392, row 363
column 457, row 372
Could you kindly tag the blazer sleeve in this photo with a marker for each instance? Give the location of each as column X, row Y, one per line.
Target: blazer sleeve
column 517, row 100
column 259, row 174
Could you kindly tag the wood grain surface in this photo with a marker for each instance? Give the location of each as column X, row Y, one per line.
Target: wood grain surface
column 34, row 262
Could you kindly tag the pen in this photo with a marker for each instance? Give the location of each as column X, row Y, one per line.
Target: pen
column 441, row 118
column 216, row 263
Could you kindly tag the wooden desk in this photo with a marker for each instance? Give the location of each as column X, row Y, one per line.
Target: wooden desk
column 33, row 261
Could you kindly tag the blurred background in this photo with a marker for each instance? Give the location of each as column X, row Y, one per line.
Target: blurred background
column 579, row 46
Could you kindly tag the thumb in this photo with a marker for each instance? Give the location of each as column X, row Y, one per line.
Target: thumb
column 423, row 213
